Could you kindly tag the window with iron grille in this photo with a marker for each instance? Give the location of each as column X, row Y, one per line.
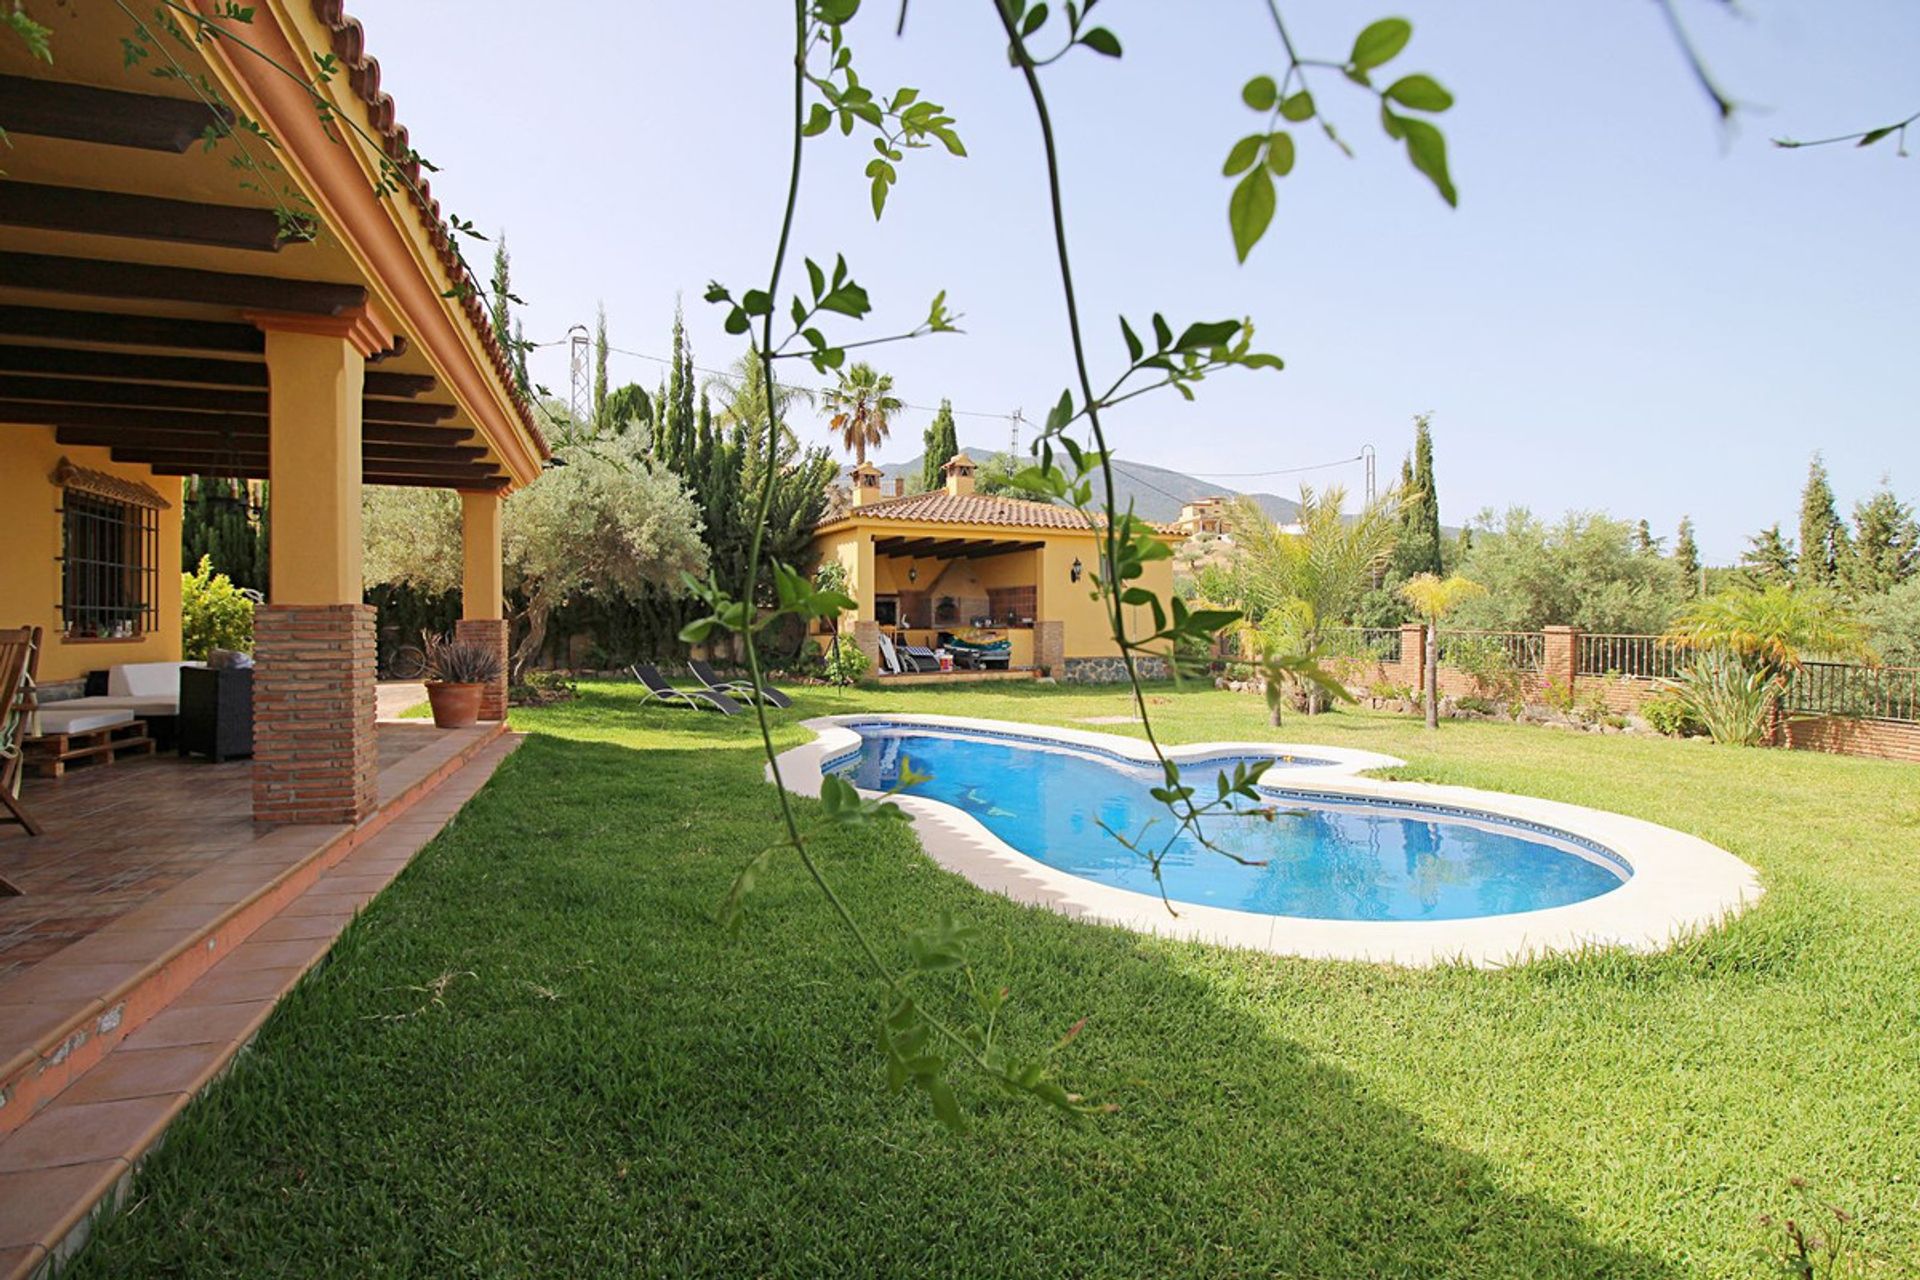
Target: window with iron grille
column 109, row 566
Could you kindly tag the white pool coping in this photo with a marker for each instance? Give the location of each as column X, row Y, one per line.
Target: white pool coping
column 1680, row 884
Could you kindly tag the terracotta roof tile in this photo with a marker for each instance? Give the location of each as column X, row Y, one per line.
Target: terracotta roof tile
column 363, row 76
column 941, row 507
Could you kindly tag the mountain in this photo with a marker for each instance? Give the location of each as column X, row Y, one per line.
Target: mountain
column 1156, row 492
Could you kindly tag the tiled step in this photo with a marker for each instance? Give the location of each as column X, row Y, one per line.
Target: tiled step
column 73, row 1157
column 58, row 1018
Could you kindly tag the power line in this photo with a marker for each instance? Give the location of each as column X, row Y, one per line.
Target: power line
column 1278, row 471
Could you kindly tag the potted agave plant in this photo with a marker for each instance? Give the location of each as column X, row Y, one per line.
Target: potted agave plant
column 456, row 675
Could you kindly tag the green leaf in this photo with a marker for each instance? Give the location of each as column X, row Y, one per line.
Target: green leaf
column 1206, row 334
column 1102, row 41
column 756, row 302
column 732, row 909
column 1427, row 148
column 816, row 277
column 1260, row 93
column 848, row 299
column 1422, row 93
column 1243, row 155
column 1133, row 340
column 1280, row 155
column 1250, row 210
column 818, row 118
column 1872, row 136
column 1035, row 19
column 836, row 12
column 1380, row 43
column 1298, row 107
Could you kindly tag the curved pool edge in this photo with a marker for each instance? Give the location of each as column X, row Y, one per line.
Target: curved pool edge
column 1680, row 883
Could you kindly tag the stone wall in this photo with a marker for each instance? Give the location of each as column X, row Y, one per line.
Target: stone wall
column 1109, row 670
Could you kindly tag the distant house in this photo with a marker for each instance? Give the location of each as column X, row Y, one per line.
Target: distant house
column 1203, row 515
column 928, row 568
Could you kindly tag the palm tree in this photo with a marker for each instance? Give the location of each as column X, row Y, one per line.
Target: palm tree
column 1747, row 644
column 1773, row 628
column 742, row 393
column 1294, row 583
column 1433, row 598
column 862, row 407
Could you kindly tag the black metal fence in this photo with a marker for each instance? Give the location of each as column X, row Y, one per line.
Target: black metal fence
column 1525, row 650
column 1367, row 644
column 1844, row 689
column 1637, row 657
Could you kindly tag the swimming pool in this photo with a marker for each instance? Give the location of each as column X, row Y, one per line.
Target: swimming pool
column 1321, row 855
column 1667, row 884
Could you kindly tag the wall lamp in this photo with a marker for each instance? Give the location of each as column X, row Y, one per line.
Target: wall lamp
column 1075, row 572
column 913, row 573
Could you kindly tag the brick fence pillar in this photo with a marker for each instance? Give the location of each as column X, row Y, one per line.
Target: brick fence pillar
column 1413, row 655
column 489, row 633
column 315, row 757
column 1050, row 647
column 1558, row 657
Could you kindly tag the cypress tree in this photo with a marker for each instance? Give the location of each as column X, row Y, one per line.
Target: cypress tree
column 1823, row 538
column 1686, row 553
column 1419, row 547
column 1643, row 539
column 499, row 305
column 600, row 369
column 942, row 442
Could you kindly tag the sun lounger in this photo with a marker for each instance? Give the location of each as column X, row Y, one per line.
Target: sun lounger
column 658, row 688
column 707, row 676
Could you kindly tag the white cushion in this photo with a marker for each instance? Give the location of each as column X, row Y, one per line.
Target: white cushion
column 154, row 705
column 58, row 718
column 146, row 679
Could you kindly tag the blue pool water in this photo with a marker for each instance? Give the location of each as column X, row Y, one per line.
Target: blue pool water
column 1326, row 857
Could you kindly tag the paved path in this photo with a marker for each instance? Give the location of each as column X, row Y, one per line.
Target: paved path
column 394, row 696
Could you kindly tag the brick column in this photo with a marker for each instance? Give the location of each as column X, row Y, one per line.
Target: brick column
column 490, row 633
column 1413, row 655
column 1050, row 647
column 315, row 757
column 1557, row 664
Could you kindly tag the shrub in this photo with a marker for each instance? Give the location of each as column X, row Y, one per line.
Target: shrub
column 452, row 662
column 1670, row 714
column 214, row 614
column 1478, row 705
column 845, row 664
column 1486, row 661
column 1730, row 698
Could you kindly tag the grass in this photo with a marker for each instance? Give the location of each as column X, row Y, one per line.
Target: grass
column 535, row 1055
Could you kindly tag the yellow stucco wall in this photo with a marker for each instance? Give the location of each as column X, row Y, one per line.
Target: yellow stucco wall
column 1058, row 597
column 30, row 574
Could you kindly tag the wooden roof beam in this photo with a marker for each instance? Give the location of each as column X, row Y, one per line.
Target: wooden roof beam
column 209, row 400
column 107, row 328
column 121, row 366
column 215, row 424
column 250, row 443
column 104, row 278
column 110, row 117
column 113, row 213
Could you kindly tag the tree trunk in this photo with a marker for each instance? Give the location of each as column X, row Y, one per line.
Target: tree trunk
column 529, row 647
column 1433, row 673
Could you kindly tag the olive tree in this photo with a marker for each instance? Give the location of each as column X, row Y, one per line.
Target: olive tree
column 617, row 525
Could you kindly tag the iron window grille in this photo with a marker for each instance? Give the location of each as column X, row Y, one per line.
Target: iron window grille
column 109, row 566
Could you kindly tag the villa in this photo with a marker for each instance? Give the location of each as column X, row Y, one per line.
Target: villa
column 157, row 321
column 989, row 571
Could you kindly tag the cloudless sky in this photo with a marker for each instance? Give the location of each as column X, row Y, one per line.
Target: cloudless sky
column 1632, row 309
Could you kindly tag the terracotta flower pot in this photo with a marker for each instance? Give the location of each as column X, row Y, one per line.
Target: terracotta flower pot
column 455, row 706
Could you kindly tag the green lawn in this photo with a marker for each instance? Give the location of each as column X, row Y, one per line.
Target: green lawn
column 609, row 1085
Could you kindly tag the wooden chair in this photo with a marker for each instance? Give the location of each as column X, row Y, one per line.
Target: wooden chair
column 18, row 648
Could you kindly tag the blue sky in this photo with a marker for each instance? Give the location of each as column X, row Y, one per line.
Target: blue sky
column 1631, row 310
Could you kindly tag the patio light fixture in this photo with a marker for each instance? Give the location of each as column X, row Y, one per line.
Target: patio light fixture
column 913, row 573
column 1076, row 571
